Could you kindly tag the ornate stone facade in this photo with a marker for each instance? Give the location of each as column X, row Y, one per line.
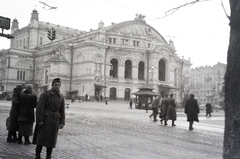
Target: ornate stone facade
column 112, row 61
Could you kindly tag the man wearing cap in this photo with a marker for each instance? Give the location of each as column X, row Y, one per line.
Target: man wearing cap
column 192, row 111
column 50, row 116
column 13, row 126
column 26, row 114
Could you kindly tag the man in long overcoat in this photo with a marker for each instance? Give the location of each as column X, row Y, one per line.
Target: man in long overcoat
column 28, row 101
column 208, row 109
column 13, row 115
column 50, row 116
column 171, row 111
column 192, row 111
column 164, row 108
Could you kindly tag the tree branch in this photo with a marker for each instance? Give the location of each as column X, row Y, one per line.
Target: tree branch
column 173, row 10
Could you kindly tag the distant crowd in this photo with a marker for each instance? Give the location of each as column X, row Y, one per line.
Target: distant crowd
column 165, row 109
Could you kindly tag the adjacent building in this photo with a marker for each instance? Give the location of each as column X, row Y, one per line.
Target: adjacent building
column 110, row 61
column 207, row 83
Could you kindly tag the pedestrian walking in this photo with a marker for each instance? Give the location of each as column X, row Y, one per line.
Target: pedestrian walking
column 86, row 97
column 13, row 126
column 171, row 111
column 192, row 111
column 146, row 106
column 106, row 101
column 130, row 104
column 208, row 109
column 101, row 98
column 155, row 107
column 26, row 114
column 50, row 116
column 164, row 109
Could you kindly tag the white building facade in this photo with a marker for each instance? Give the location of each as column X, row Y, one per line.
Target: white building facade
column 110, row 61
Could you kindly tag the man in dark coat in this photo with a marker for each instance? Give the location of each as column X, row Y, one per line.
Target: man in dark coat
column 50, row 116
column 171, row 111
column 155, row 107
column 13, row 115
column 192, row 111
column 164, row 108
column 208, row 109
column 26, row 114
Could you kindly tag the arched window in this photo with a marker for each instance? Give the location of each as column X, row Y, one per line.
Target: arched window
column 18, row 75
column 141, row 70
column 23, row 75
column 46, row 77
column 127, row 94
column 114, row 68
column 161, row 70
column 128, row 70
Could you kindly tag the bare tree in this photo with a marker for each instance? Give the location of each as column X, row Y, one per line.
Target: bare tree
column 232, row 87
column 231, row 144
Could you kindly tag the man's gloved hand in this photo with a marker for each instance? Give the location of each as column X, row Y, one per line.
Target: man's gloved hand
column 61, row 126
column 40, row 124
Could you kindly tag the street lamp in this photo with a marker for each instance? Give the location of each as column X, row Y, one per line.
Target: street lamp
column 152, row 71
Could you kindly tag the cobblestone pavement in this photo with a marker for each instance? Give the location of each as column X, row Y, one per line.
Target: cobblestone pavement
column 98, row 131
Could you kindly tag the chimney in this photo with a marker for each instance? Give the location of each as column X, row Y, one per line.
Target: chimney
column 14, row 27
column 34, row 16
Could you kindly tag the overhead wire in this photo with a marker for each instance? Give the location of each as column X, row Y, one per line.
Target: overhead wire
column 122, row 6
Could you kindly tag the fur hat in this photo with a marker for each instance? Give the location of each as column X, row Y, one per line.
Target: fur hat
column 29, row 86
column 56, row 80
column 19, row 87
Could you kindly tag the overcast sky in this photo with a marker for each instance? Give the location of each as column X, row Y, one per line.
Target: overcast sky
column 199, row 31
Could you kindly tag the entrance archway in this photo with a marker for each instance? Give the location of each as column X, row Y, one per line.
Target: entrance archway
column 127, row 94
column 113, row 94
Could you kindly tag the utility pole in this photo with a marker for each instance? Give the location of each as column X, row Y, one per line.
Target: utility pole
column 71, row 69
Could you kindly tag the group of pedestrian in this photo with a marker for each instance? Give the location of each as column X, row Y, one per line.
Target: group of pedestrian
column 50, row 117
column 166, row 108
column 21, row 117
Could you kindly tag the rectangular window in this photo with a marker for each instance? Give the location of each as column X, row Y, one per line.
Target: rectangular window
column 2, row 88
column 149, row 45
column 41, row 40
column 135, row 43
column 112, row 40
column 124, row 41
column 109, row 40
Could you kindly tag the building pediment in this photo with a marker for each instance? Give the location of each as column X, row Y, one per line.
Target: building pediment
column 136, row 28
column 57, row 58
